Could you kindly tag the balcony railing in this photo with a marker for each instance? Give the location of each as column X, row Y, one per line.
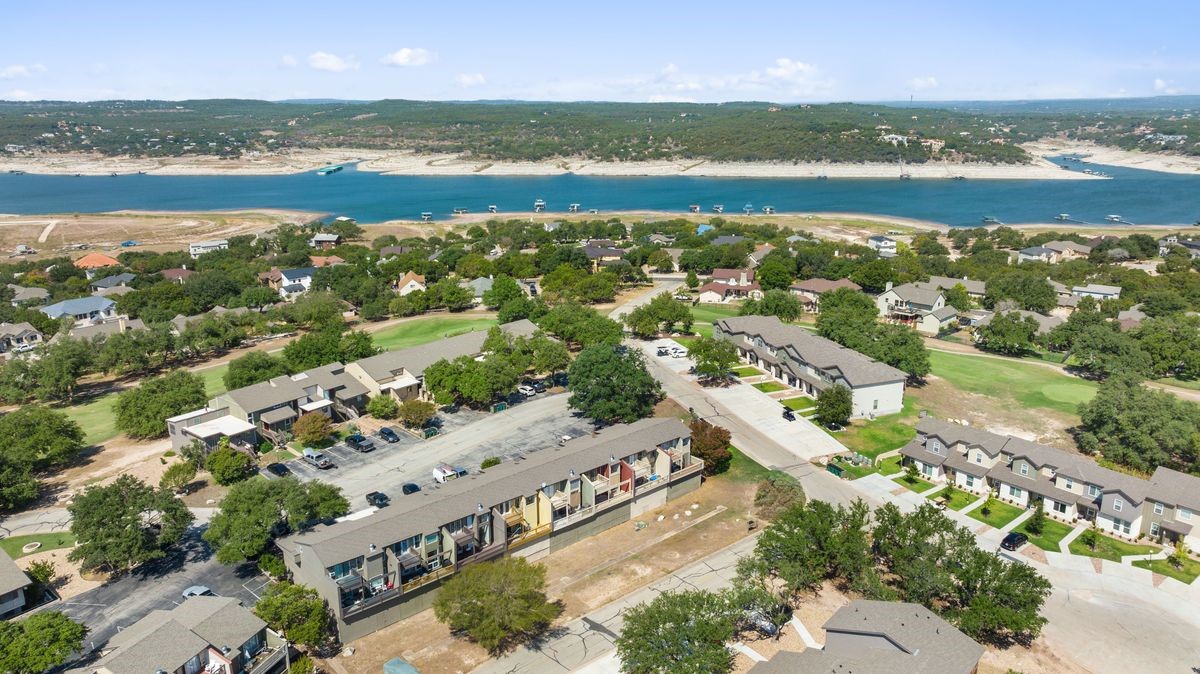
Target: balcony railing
column 696, row 466
column 265, row 660
column 530, row 535
column 427, row 578
column 490, row 552
column 381, row 597
column 578, row 515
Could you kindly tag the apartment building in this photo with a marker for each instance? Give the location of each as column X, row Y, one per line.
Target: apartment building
column 13, row 584
column 918, row 306
column 213, row 635
column 386, row 566
column 805, row 361
column 269, row 408
column 1071, row 487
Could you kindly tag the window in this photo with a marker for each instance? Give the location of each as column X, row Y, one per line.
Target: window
column 927, row 469
column 875, row 405
column 978, row 457
column 1154, row 529
column 1070, row 483
column 934, row 445
column 1120, row 526
column 1118, row 504
column 1093, row 490
column 1014, row 492
column 407, row 544
column 1024, row 469
column 1060, row 508
column 1158, row 508
column 1184, row 514
column 970, row 481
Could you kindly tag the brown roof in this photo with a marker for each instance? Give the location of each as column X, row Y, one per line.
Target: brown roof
column 821, row 285
column 325, row 260
column 733, row 274
column 410, row 276
column 95, row 261
column 176, row 274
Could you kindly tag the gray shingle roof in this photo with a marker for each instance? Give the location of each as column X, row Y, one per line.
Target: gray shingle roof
column 22, row 294
column 221, row 621
column 416, row 359
column 820, row 285
column 859, row 370
column 911, row 292
column 266, row 394
column 114, row 280
column 21, row 329
column 11, row 575
column 945, row 313
column 1063, row 246
column 109, row 327
column 1045, row 323
column 426, row 511
column 1175, row 488
column 79, row 305
column 946, row 283
column 1037, row 251
column 727, row 239
column 167, row 640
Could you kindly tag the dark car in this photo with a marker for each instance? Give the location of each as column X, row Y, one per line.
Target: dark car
column 789, row 414
column 410, row 488
column 278, row 469
column 360, row 443
column 389, row 434
column 378, row 499
column 1014, row 541
column 539, row 386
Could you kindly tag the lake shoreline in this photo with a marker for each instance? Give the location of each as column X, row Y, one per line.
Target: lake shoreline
column 410, row 164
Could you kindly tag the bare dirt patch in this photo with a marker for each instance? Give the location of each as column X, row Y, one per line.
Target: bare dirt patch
column 67, row 582
column 945, row 401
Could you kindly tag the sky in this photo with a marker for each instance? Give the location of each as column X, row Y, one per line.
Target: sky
column 616, row 50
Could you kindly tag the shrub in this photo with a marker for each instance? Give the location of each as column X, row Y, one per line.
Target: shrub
column 383, row 406
column 711, row 444
column 302, row 665
column 273, row 566
column 416, row 413
column 489, row 462
column 177, row 477
column 776, row 494
column 228, row 465
column 312, row 427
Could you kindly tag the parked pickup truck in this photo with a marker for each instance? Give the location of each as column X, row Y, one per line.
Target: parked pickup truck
column 360, row 443
column 317, row 459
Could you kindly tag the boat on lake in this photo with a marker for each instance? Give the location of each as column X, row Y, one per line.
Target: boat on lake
column 329, row 169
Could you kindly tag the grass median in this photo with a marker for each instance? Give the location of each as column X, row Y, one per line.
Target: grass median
column 998, row 513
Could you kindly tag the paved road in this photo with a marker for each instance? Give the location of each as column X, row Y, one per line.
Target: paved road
column 660, row 286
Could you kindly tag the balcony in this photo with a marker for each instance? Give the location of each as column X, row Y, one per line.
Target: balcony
column 427, row 578
column 484, row 554
column 530, row 535
column 696, row 466
column 381, row 597
column 577, row 516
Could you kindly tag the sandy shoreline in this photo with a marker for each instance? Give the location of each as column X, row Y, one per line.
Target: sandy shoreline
column 1111, row 156
column 407, row 163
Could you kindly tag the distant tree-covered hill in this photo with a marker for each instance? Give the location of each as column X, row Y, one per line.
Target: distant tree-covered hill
column 749, row 131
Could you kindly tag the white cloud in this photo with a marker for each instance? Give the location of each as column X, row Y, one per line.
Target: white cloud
column 18, row 95
column 99, row 68
column 1164, row 87
column 333, row 63
column 408, row 56
column 288, row 61
column 669, row 98
column 15, row 71
column 470, row 79
column 923, row 83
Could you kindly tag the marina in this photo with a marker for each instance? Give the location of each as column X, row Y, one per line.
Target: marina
column 1142, row 197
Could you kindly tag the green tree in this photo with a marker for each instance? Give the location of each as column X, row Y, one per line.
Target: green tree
column 714, row 358
column 124, row 524
column 33, row 439
column 415, row 413
column 1009, row 333
column 580, row 326
column 142, row 412
column 255, row 511
column 1102, row 351
column 252, row 368
column 497, row 603
column 692, row 280
column 678, row 633
column 779, row 303
column 958, row 298
column 383, row 406
column 834, row 406
column 1036, row 523
column 608, row 385
column 504, row 290
column 177, row 477
column 778, row 493
column 710, row 444
column 549, row 355
column 312, row 428
column 40, row 643
column 227, row 465
column 297, row 612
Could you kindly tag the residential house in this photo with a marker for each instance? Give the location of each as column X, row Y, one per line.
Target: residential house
column 324, row 240
column 272, row 278
column 1099, row 291
column 728, row 240
column 797, row 238
column 601, row 256
column 401, row 372
column 660, row 239
column 408, row 283
column 268, row 408
column 1068, row 250
column 1045, row 323
column 319, row 261
column 18, row 337
column 181, row 322
column 1037, row 254
column 201, row 247
column 1128, row 319
column 716, row 292
column 394, row 251
column 675, row 254
column 94, row 261
column 177, row 275
column 478, row 287
column 1065, row 300
column 209, row 635
column 13, row 585
column 883, row 245
column 809, row 290
column 975, row 289
column 114, row 281
column 810, row 363
column 882, row 637
column 743, row 278
column 920, row 307
column 83, row 310
column 757, row 255
column 385, row 566
column 1190, row 246
column 32, row 295
column 294, row 282
column 1071, row 487
column 551, row 226
column 106, row 328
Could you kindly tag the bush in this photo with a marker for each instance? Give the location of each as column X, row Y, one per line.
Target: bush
column 416, row 413
column 383, row 406
column 776, row 494
column 42, row 573
column 302, row 665
column 489, row 462
column 312, row 427
column 228, row 465
column 177, row 477
column 273, row 566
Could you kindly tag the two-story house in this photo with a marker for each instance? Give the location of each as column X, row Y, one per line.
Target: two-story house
column 201, row 247
column 920, row 307
column 809, row 290
column 379, row 568
column 1037, row 254
column 810, row 363
column 324, row 240
column 83, row 310
column 409, row 283
column 209, row 635
column 295, row 282
column 975, row 289
column 884, row 246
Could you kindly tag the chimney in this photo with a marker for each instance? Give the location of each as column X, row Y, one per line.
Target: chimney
column 887, row 287
column 743, row 277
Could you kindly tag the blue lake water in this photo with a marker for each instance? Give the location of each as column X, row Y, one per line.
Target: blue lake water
column 1141, row 197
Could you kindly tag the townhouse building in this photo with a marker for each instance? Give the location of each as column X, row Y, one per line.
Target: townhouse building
column 810, row 363
column 920, row 307
column 213, row 635
column 1071, row 487
column 383, row 567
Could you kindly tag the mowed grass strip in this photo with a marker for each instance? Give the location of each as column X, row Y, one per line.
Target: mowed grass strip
column 883, row 434
column 425, row 330
column 957, row 499
column 703, row 316
column 53, row 541
column 769, row 386
column 1110, row 548
column 1033, row 386
column 1185, row 574
column 1052, row 532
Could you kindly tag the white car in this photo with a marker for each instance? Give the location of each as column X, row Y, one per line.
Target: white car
column 678, row 352
column 526, row 391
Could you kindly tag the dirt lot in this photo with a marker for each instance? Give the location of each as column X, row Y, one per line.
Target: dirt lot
column 947, row 402
column 67, row 582
column 584, row 576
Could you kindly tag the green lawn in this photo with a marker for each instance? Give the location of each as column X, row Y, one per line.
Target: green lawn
column 798, row 404
column 425, row 330
column 770, row 386
column 214, row 379
column 1033, row 386
column 1052, row 532
column 959, row 499
column 747, row 371
column 1164, row 567
column 1110, row 548
column 14, row 544
column 918, row 485
column 703, row 316
column 890, row 465
column 882, row 434
column 1001, row 513
column 96, row 418
column 744, row 469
